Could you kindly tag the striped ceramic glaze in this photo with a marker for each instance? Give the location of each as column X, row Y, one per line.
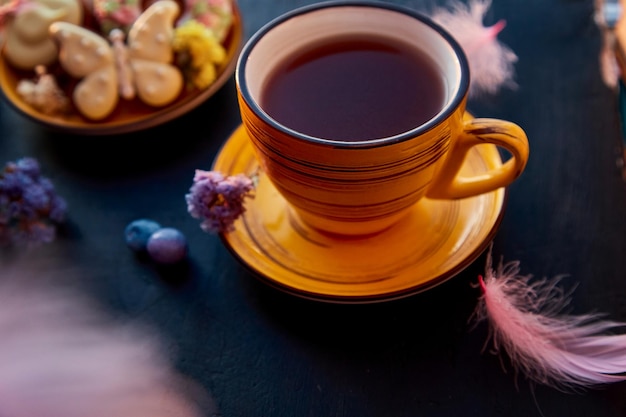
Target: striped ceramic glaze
column 362, row 187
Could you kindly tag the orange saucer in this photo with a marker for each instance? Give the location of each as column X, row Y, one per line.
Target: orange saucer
column 437, row 240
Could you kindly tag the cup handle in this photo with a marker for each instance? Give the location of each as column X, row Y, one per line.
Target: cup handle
column 449, row 185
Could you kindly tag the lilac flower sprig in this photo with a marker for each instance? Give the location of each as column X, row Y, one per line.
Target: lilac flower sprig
column 218, row 199
column 30, row 209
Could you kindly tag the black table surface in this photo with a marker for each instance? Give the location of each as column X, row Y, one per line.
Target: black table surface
column 260, row 352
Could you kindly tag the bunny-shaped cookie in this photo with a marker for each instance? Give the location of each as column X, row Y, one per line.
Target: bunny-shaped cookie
column 28, row 41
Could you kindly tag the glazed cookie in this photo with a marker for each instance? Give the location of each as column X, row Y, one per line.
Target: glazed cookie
column 28, row 41
column 43, row 93
column 116, row 14
column 217, row 15
column 143, row 68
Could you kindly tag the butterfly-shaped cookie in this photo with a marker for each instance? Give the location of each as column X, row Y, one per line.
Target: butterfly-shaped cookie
column 108, row 71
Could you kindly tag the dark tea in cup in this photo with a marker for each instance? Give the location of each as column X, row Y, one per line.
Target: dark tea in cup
column 356, row 110
column 354, row 88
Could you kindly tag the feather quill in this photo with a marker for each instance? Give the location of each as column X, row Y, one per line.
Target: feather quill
column 550, row 347
column 60, row 357
column 491, row 62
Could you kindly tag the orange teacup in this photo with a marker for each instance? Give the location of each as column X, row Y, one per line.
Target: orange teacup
column 356, row 110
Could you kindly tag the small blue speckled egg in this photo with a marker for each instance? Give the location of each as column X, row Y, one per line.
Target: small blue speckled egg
column 138, row 232
column 167, row 246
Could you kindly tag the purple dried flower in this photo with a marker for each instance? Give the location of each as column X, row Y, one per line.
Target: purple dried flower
column 33, row 232
column 218, row 199
column 28, row 166
column 29, row 205
column 58, row 208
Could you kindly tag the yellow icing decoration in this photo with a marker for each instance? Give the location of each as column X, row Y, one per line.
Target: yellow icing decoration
column 200, row 53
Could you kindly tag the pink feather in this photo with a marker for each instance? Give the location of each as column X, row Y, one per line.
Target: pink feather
column 60, row 357
column 607, row 14
column 559, row 350
column 491, row 62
